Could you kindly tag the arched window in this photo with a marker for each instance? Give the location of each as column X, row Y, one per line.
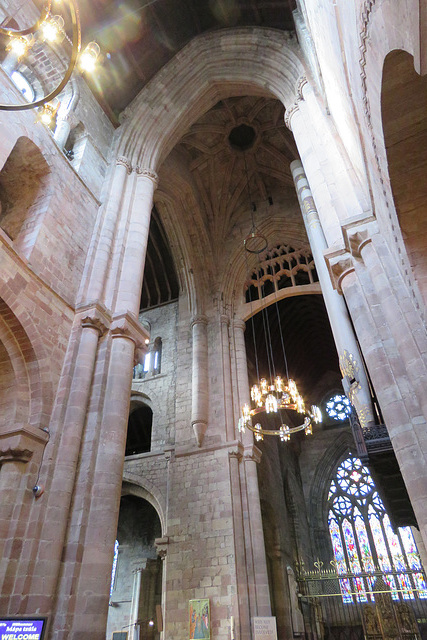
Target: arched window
column 157, row 355
column 364, row 543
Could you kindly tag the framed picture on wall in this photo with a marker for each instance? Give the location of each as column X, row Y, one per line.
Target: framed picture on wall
column 199, row 619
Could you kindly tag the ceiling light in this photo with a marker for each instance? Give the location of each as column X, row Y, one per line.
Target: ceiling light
column 87, row 60
column 53, row 28
column 50, row 29
column 48, row 112
column 19, row 45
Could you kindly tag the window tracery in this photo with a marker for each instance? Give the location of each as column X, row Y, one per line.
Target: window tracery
column 364, row 542
column 338, row 407
column 280, row 267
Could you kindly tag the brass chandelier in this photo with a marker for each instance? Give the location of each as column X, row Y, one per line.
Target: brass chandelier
column 50, row 28
column 280, row 394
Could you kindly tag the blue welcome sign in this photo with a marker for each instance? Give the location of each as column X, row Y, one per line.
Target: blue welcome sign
column 22, row 628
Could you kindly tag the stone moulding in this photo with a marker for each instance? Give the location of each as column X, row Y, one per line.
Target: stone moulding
column 19, row 443
column 126, row 325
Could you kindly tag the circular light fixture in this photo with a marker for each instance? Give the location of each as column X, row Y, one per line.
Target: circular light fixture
column 51, row 28
column 271, row 398
column 255, row 242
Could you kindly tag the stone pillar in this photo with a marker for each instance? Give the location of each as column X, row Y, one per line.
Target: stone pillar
column 241, row 369
column 162, row 550
column 402, row 414
column 93, row 583
column 230, row 421
column 61, row 487
column 134, row 607
column 132, row 268
column 105, row 233
column 409, row 338
column 355, row 381
column 200, row 378
column 256, row 561
column 262, row 607
column 241, row 612
column 338, row 192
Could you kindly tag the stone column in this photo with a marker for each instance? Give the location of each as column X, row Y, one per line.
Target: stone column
column 402, row 414
column 61, row 487
column 162, row 550
column 355, row 381
column 259, row 596
column 408, row 333
column 105, row 233
column 92, row 586
column 338, row 192
column 241, row 371
column 230, row 422
column 262, row 606
column 241, row 612
column 136, row 594
column 132, row 267
column 200, row 378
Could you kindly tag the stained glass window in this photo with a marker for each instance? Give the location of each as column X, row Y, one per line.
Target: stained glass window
column 364, row 543
column 338, row 407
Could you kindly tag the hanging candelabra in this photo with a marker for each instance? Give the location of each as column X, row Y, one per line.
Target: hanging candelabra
column 49, row 29
column 280, row 394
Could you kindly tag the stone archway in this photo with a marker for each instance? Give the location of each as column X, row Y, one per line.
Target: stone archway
column 235, row 62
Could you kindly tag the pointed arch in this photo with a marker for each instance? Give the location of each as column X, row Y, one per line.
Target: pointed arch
column 244, row 61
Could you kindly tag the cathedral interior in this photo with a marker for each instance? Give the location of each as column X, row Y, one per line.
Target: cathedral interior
column 213, row 345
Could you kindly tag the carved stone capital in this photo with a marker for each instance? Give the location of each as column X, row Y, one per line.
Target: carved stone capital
column 358, row 232
column 161, row 545
column 148, row 173
column 252, row 453
column 96, row 317
column 289, row 113
column 236, row 450
column 125, row 325
column 340, row 264
column 199, row 319
column 124, row 162
column 19, row 443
